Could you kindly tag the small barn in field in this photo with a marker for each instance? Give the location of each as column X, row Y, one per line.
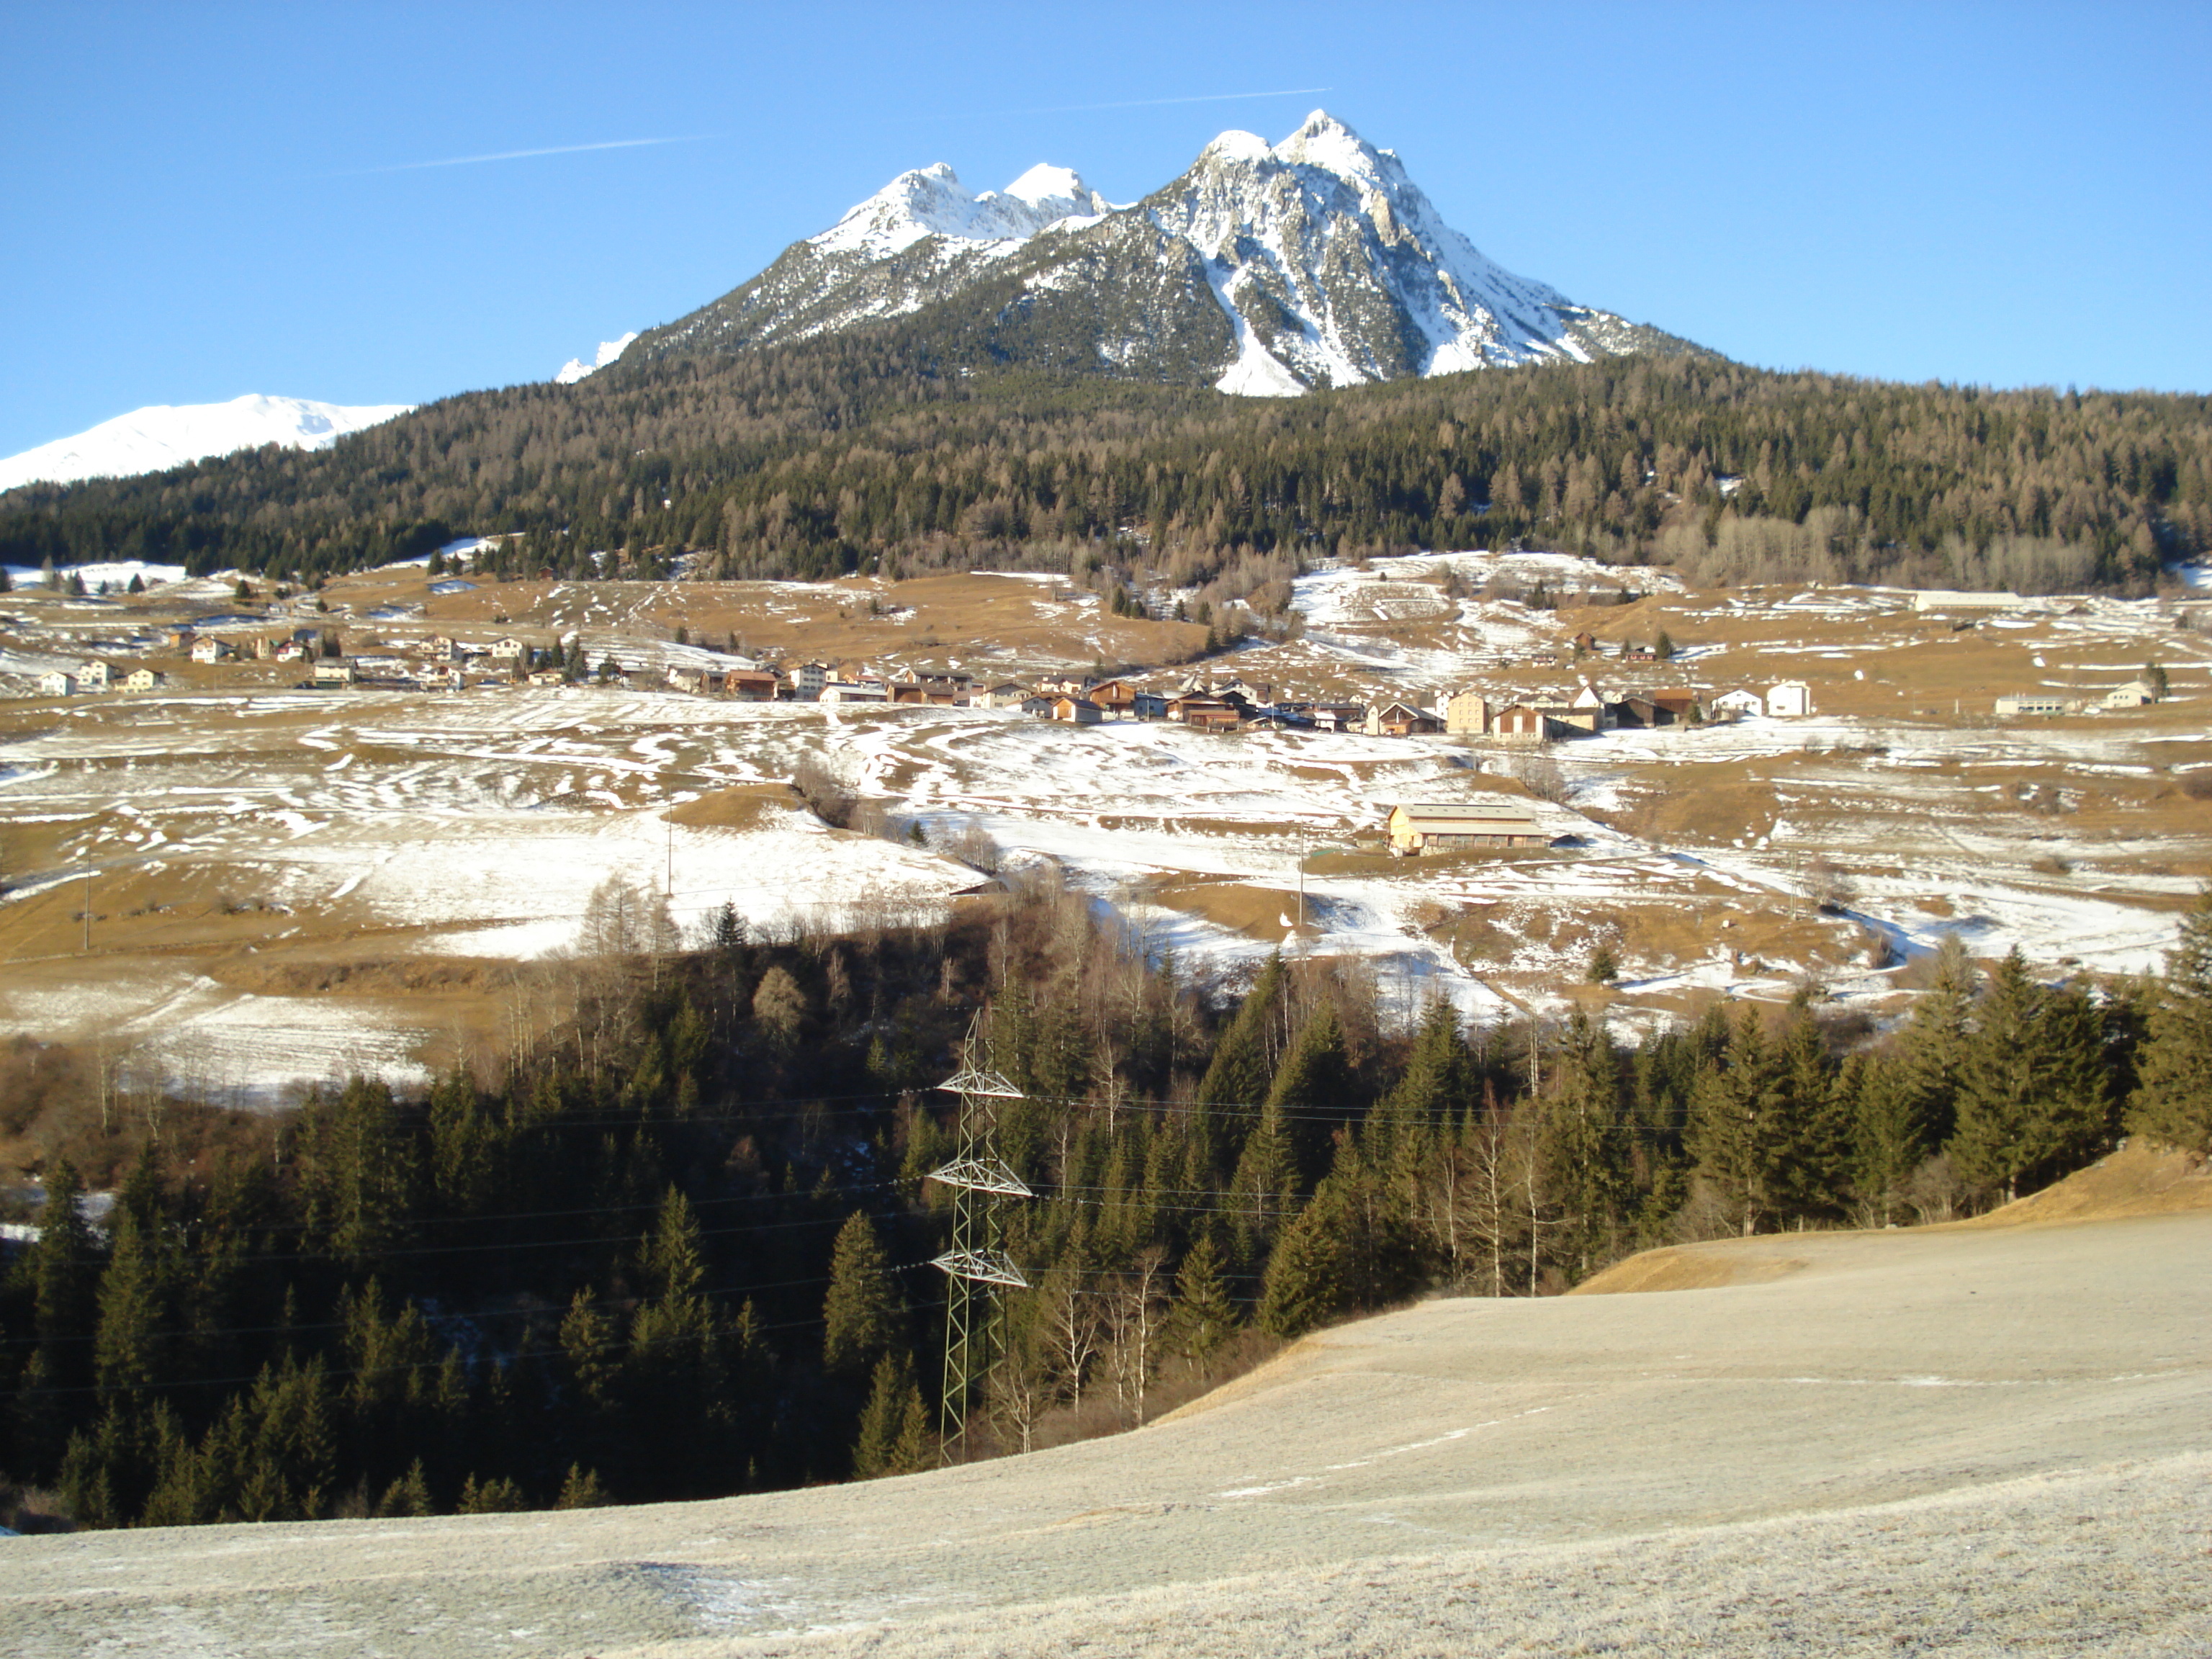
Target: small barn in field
column 1456, row 826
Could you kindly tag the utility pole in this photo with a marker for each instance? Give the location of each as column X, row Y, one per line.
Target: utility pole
column 977, row 1267
column 88, row 900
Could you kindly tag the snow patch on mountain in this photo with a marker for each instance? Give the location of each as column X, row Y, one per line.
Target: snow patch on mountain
column 932, row 201
column 1344, row 268
column 1327, row 263
column 576, row 368
column 163, row 435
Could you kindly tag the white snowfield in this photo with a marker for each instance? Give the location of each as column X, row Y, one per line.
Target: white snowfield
column 479, row 824
column 163, row 435
column 1278, row 222
column 576, row 368
column 1961, row 1443
column 932, row 201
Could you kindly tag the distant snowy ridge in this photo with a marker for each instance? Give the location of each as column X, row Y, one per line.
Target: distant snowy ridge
column 163, row 435
column 576, row 368
column 1264, row 270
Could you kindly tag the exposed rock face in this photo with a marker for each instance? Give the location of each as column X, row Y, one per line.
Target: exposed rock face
column 1266, row 270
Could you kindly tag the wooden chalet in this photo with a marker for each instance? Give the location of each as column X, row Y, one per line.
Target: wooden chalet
column 1402, row 719
column 1208, row 713
column 749, row 685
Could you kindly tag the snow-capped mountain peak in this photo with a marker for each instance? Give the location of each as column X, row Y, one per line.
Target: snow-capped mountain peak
column 1326, row 143
column 1264, row 268
column 932, row 201
column 164, row 435
column 1334, row 268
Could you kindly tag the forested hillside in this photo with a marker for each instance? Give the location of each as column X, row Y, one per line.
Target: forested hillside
column 873, row 451
column 680, row 1247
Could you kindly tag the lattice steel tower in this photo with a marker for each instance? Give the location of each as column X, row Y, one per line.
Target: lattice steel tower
column 977, row 1266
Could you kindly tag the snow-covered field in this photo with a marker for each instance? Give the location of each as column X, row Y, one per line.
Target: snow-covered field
column 477, row 826
column 1980, row 1441
column 480, row 825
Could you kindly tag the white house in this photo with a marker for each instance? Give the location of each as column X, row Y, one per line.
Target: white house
column 846, row 692
column 94, row 676
column 207, row 649
column 507, row 650
column 1734, row 705
column 56, row 685
column 1790, row 700
column 336, row 671
column 2018, row 703
column 141, row 679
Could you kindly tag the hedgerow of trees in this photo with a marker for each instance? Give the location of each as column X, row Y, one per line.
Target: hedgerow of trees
column 679, row 1246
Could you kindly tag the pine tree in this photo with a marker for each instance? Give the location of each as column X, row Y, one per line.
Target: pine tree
column 1436, row 1087
column 358, row 1173
column 1244, row 1061
column 2174, row 1095
column 1936, row 1039
column 53, row 1394
column 1264, row 1190
column 675, row 1268
column 894, row 1437
column 1889, row 1137
column 2032, row 1094
column 132, row 1352
column 407, row 1497
column 1315, row 1093
column 860, row 1314
column 1583, row 1147
column 1815, row 1159
column 1203, row 1316
column 1310, row 1277
column 581, row 1490
column 1738, row 1128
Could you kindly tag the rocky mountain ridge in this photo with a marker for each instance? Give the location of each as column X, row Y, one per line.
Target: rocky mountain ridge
column 1264, row 270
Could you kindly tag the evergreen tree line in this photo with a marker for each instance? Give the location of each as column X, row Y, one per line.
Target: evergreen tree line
column 681, row 1247
column 873, row 451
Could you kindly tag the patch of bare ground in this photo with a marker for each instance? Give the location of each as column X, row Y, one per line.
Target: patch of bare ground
column 1260, row 913
column 1692, row 1267
column 744, row 807
column 2142, row 1177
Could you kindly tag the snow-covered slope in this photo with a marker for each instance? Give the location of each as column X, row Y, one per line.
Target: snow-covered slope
column 1264, row 268
column 921, row 238
column 1336, row 268
column 576, row 368
column 166, row 435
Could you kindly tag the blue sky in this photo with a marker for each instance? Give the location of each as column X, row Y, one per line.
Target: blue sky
column 2013, row 194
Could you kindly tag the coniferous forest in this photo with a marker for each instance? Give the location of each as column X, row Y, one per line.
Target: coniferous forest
column 678, row 1245
column 878, row 451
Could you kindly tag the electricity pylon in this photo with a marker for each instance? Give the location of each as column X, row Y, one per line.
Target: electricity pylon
column 977, row 1266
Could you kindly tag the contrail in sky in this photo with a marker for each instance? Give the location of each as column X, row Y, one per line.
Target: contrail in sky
column 1148, row 103
column 523, row 155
